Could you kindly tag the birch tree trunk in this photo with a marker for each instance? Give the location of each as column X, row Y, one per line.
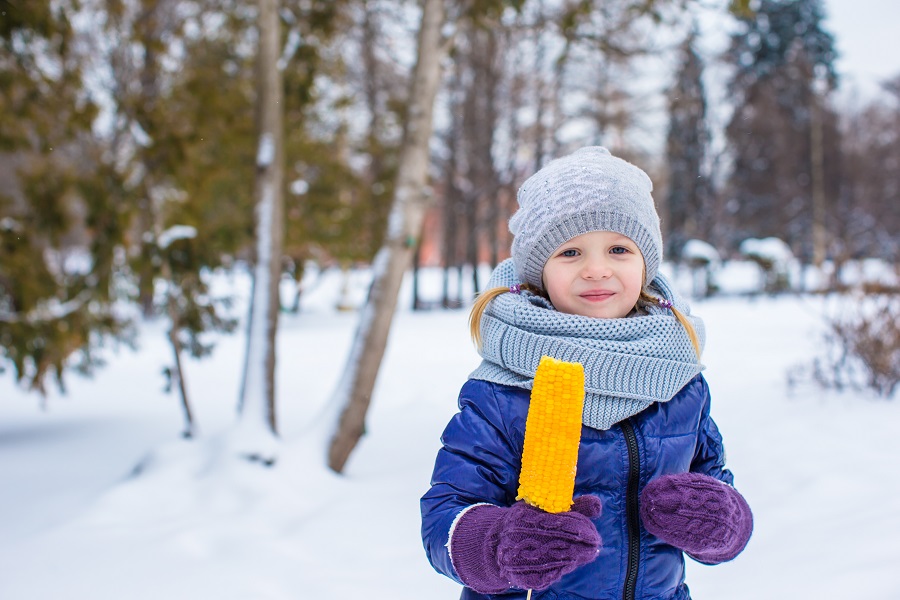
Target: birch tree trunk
column 393, row 259
column 257, row 400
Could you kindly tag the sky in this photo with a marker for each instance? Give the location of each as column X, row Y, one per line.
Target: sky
column 867, row 39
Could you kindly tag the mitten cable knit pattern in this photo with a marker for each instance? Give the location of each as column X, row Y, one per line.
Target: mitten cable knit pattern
column 496, row 548
column 699, row 514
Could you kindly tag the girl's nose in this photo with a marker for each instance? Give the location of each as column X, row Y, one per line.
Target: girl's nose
column 596, row 269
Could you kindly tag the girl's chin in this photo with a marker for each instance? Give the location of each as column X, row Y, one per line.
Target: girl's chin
column 599, row 311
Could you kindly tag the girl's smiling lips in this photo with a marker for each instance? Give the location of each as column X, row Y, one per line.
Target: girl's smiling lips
column 597, row 295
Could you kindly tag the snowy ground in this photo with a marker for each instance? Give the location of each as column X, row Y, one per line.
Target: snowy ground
column 101, row 500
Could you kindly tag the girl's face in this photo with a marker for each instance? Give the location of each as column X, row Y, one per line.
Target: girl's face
column 596, row 274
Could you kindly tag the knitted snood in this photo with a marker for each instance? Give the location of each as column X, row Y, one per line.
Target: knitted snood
column 629, row 363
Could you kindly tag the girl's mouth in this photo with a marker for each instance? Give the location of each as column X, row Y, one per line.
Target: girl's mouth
column 597, row 295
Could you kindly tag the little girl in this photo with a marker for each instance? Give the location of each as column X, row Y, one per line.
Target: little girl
column 583, row 286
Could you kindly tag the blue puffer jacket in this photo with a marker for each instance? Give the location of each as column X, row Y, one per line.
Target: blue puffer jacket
column 480, row 462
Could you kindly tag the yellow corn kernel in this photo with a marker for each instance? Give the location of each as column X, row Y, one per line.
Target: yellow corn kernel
column 552, row 436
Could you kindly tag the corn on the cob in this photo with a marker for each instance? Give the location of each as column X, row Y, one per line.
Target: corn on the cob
column 552, row 435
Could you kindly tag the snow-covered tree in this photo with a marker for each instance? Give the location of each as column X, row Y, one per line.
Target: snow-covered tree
column 60, row 221
column 782, row 132
column 394, row 258
column 257, row 400
column 180, row 160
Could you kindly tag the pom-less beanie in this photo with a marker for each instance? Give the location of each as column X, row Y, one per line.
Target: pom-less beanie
column 588, row 190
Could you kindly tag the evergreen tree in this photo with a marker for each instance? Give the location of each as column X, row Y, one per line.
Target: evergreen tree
column 339, row 176
column 784, row 68
column 60, row 224
column 688, row 202
column 183, row 141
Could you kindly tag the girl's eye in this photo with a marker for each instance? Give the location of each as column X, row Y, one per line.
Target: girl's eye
column 569, row 253
column 618, row 250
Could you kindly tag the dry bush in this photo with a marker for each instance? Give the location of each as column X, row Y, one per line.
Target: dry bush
column 862, row 350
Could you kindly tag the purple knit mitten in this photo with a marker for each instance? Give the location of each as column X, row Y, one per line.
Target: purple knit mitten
column 495, row 548
column 699, row 514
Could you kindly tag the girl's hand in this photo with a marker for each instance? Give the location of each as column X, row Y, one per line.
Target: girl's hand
column 495, row 548
column 699, row 514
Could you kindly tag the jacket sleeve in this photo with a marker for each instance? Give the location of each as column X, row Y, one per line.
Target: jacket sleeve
column 709, row 455
column 477, row 463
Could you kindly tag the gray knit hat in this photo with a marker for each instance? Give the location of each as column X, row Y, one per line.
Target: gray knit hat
column 588, row 190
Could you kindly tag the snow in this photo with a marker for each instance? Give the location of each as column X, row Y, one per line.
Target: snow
column 265, row 154
column 141, row 137
column 700, row 251
column 870, row 270
column 252, row 433
column 174, row 233
column 293, row 42
column 299, row 187
column 771, row 249
column 367, row 317
column 47, row 310
column 101, row 499
column 10, row 224
column 73, row 260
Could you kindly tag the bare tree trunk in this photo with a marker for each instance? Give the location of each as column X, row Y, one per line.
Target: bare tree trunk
column 257, row 403
column 174, row 324
column 179, row 376
column 471, row 122
column 151, row 24
column 472, row 235
column 486, row 78
column 416, row 266
column 189, row 429
column 819, row 232
column 297, row 270
column 145, row 272
column 392, row 261
column 451, row 197
column 450, row 226
column 540, row 133
column 374, row 86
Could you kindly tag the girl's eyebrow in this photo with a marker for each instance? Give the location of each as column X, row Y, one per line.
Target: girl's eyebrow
column 624, row 239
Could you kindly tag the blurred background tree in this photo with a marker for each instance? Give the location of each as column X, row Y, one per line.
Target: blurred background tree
column 782, row 132
column 689, row 211
column 123, row 121
column 61, row 223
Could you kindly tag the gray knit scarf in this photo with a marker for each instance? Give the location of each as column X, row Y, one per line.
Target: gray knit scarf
column 629, row 363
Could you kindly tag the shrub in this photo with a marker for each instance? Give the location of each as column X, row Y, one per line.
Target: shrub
column 862, row 348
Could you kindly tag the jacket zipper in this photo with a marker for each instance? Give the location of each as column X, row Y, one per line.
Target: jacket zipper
column 631, row 512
